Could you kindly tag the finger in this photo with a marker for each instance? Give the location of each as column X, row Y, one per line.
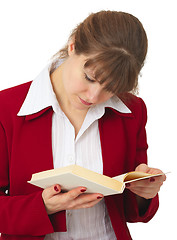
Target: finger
column 146, row 191
column 84, row 200
column 52, row 191
column 74, row 193
column 89, row 204
column 146, row 194
column 57, row 189
column 145, row 168
column 140, row 183
column 150, row 182
column 142, row 191
column 155, row 171
column 89, row 197
column 158, row 179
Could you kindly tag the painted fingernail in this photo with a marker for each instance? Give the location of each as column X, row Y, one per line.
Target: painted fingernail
column 56, row 189
column 127, row 184
column 152, row 179
column 99, row 197
column 83, row 190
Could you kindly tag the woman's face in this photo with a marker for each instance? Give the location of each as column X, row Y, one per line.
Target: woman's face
column 81, row 89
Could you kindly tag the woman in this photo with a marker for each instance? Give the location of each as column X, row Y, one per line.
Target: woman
column 79, row 110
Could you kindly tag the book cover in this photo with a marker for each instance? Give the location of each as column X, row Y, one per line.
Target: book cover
column 73, row 176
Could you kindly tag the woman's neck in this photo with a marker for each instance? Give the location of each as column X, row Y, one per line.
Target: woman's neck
column 75, row 116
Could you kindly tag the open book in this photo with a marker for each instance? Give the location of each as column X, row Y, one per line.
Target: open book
column 73, row 176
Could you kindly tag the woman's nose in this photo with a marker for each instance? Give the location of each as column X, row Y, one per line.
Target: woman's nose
column 94, row 92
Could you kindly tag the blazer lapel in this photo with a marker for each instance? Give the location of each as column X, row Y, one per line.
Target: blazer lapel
column 113, row 141
column 32, row 147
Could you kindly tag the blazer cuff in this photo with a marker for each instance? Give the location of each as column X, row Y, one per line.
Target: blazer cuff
column 132, row 211
column 58, row 221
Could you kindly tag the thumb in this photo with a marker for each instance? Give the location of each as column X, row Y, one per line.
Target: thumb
column 142, row 168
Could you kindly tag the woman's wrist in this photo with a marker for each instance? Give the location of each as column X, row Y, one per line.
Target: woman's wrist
column 143, row 204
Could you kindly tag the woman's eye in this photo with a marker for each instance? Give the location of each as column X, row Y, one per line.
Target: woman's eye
column 88, row 79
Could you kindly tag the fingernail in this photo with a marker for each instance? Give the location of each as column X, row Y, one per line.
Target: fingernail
column 152, row 179
column 127, row 184
column 99, row 197
column 56, row 189
column 83, row 190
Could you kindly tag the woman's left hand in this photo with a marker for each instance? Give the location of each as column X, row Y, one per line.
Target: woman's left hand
column 147, row 188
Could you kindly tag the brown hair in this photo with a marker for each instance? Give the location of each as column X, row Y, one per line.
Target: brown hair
column 118, row 42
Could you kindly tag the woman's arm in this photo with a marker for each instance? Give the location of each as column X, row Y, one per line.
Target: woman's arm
column 146, row 189
column 141, row 202
column 23, row 214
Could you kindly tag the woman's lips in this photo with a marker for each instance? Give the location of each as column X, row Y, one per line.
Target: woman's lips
column 84, row 102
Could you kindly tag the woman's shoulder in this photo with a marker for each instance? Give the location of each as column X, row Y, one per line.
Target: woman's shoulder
column 134, row 103
column 12, row 98
column 14, row 90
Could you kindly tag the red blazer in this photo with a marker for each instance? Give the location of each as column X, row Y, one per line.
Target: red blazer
column 26, row 148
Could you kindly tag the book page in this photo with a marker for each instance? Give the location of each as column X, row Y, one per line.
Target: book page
column 135, row 176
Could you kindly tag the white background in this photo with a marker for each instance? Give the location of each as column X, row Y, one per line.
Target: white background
column 33, row 30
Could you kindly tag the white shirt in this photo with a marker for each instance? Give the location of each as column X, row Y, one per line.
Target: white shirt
column 82, row 224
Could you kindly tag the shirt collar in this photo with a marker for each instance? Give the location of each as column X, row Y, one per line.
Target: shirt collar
column 41, row 96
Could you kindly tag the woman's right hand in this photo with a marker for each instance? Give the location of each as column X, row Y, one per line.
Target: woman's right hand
column 55, row 200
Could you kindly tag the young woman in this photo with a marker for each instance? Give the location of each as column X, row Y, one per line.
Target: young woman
column 79, row 110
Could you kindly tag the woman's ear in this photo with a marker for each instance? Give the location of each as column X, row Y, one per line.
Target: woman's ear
column 71, row 47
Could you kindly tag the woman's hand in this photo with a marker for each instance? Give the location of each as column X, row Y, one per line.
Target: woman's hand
column 147, row 188
column 56, row 201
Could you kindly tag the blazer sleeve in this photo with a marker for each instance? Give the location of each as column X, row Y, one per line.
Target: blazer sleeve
column 130, row 204
column 19, row 215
